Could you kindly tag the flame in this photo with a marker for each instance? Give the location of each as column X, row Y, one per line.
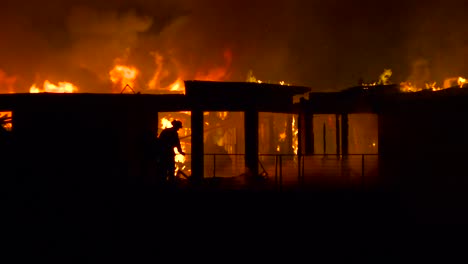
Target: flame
column 162, row 73
column 408, row 87
column 448, row 83
column 179, row 157
column 165, row 123
column 48, row 87
column 461, row 81
column 282, row 137
column 177, row 86
column 164, row 67
column 122, row 75
column 295, row 133
column 34, row 89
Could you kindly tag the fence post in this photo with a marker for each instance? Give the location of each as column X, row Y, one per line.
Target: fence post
column 362, row 172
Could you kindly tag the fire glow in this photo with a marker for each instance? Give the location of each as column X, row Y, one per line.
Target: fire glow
column 448, row 83
column 48, row 87
column 122, row 76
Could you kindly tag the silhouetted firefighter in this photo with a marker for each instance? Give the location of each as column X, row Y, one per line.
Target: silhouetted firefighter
column 168, row 140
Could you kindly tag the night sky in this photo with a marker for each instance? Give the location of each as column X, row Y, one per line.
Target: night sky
column 327, row 45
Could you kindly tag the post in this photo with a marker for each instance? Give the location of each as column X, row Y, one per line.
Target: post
column 337, row 136
column 309, row 132
column 344, row 134
column 300, row 128
column 306, row 129
column 300, row 134
column 197, row 145
column 251, row 140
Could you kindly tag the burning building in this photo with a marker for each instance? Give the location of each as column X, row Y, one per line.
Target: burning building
column 99, row 135
column 394, row 138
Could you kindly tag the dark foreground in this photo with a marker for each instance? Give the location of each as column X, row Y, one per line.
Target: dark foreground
column 134, row 223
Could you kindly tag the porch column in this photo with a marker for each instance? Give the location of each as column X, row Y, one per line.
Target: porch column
column 251, row 140
column 344, row 134
column 338, row 134
column 197, row 145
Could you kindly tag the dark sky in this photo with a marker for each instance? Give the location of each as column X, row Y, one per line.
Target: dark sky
column 327, row 45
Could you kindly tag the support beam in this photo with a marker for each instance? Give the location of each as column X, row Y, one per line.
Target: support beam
column 306, row 130
column 338, row 134
column 309, row 137
column 251, row 140
column 197, row 145
column 344, row 134
column 301, row 134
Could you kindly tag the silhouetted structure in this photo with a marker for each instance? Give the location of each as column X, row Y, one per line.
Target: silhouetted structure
column 92, row 140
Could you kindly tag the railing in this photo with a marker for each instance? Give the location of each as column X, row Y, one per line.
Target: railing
column 296, row 171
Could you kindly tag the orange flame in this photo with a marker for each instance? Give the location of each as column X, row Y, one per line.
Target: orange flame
column 122, row 75
column 48, row 87
column 448, row 83
column 461, row 81
column 177, row 86
column 165, row 123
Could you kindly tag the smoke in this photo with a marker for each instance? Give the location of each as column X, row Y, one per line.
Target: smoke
column 100, row 39
column 7, row 83
column 82, row 40
column 324, row 45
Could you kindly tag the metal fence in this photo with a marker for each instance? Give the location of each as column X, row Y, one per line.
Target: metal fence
column 296, row 171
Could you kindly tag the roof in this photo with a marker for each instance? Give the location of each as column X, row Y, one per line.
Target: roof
column 207, row 96
column 213, row 89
